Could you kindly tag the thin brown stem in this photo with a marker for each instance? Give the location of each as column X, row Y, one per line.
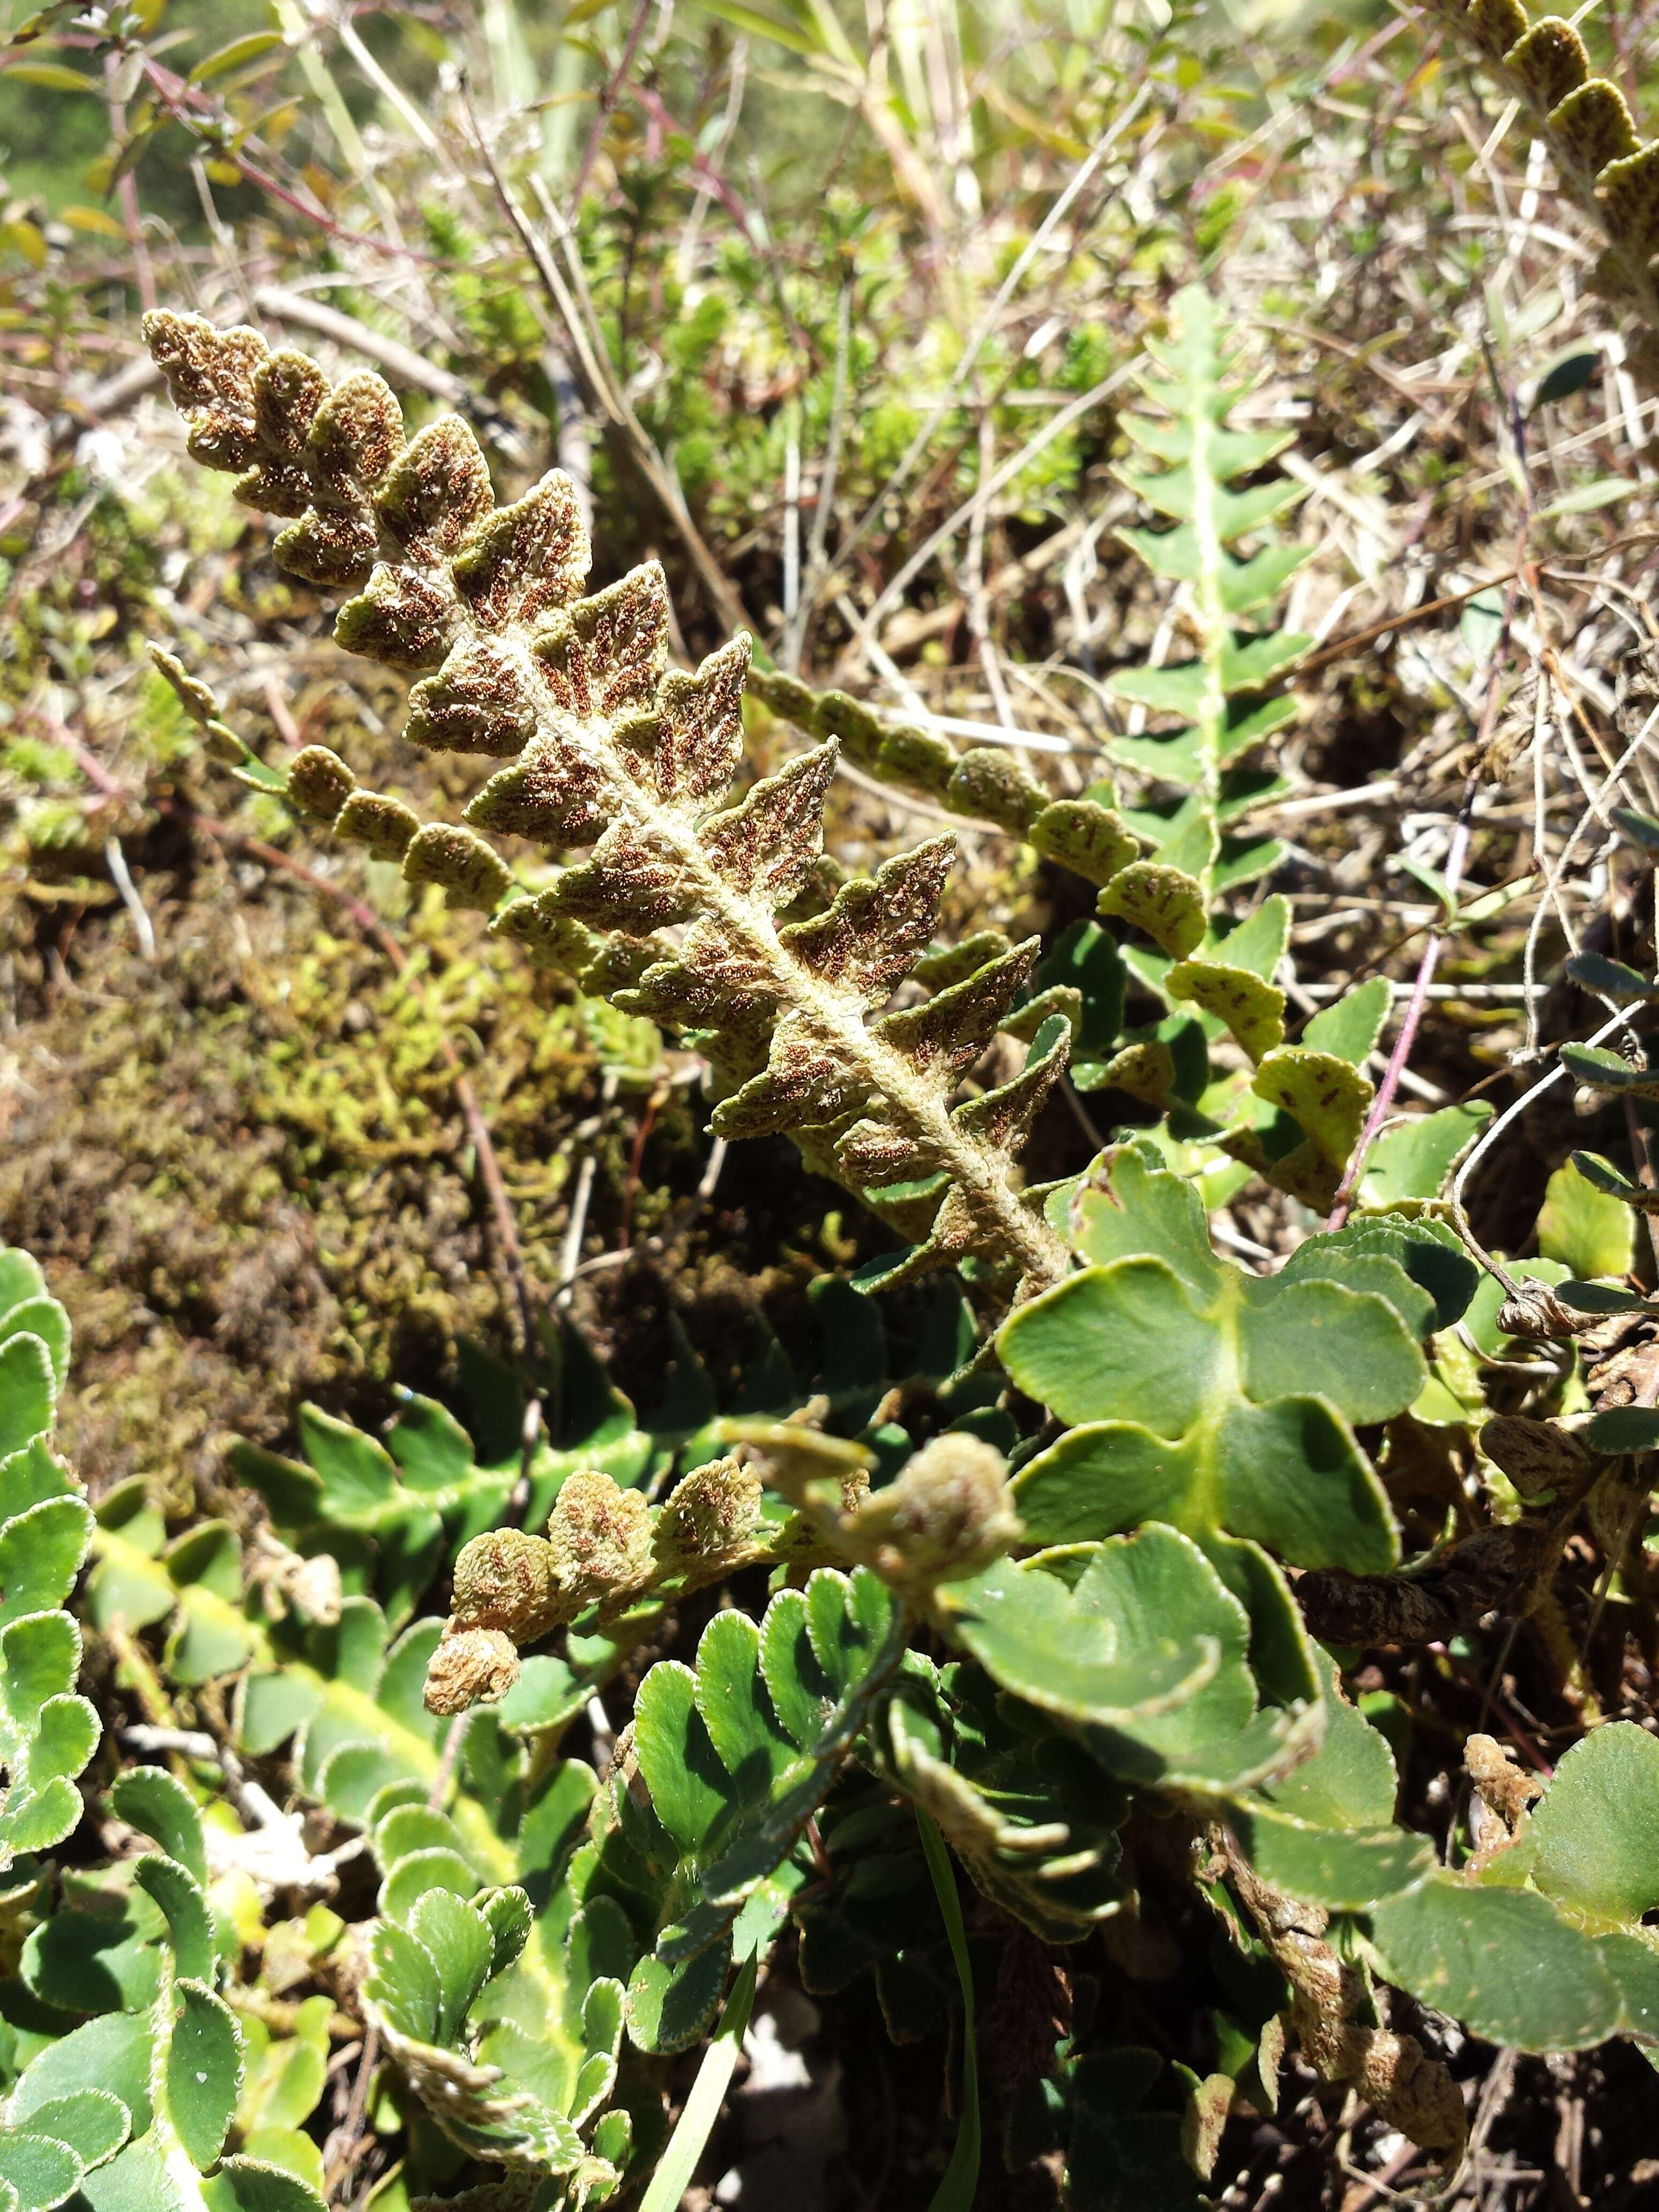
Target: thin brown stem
column 1641, row 1160
column 348, row 2145
column 446, row 1759
column 602, row 395
column 1456, row 860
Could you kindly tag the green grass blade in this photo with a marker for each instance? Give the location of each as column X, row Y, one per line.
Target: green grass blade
column 703, row 2107
column 956, row 2191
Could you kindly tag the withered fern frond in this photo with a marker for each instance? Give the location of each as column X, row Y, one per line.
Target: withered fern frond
column 606, row 748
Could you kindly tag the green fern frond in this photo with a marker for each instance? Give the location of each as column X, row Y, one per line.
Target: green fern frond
column 1229, row 698
column 48, row 1732
column 138, row 2101
column 985, row 784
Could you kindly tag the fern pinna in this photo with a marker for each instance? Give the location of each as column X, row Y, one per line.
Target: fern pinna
column 681, row 904
column 124, row 2067
column 1585, row 121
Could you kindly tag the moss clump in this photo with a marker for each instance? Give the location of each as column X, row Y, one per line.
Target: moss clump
column 244, row 1170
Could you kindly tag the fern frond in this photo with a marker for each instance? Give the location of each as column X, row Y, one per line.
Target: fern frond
column 47, row 1731
column 1227, row 697
column 609, row 750
column 138, row 2101
column 984, row 783
column 1586, row 123
column 1306, row 1102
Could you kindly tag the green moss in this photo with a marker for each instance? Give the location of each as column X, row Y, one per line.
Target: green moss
column 246, row 1174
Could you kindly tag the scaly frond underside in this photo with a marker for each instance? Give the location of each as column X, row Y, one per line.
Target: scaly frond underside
column 605, row 747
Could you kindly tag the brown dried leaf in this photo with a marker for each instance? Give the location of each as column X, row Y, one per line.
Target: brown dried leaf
column 609, row 750
column 948, row 1514
column 1209, row 2106
column 505, row 1579
column 599, row 1536
column 1538, row 1457
column 1494, row 1569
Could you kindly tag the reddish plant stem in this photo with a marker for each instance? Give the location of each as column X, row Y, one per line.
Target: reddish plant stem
column 701, row 167
column 191, row 108
column 608, row 100
column 127, row 193
column 648, row 1122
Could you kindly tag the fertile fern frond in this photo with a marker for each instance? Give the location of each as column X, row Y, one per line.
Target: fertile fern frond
column 1587, row 126
column 985, row 783
column 605, row 747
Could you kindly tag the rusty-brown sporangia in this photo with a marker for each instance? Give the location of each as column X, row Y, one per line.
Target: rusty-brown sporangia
column 678, row 910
